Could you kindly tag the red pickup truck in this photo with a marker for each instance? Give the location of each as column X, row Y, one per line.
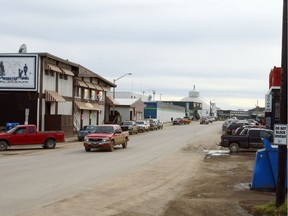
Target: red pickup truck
column 28, row 135
column 106, row 137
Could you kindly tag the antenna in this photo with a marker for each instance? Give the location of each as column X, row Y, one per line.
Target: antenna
column 23, row 48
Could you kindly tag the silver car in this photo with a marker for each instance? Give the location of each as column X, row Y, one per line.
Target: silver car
column 143, row 126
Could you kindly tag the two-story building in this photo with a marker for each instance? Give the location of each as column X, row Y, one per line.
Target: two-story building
column 51, row 92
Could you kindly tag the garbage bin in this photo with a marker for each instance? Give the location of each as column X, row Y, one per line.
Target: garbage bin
column 266, row 168
column 11, row 125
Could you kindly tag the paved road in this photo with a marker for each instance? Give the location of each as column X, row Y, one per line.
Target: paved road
column 34, row 178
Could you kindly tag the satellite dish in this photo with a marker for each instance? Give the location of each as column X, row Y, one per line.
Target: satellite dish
column 23, row 48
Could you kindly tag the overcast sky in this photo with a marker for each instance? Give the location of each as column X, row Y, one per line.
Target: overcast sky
column 226, row 48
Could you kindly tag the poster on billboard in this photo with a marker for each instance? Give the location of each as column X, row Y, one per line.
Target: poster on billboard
column 18, row 72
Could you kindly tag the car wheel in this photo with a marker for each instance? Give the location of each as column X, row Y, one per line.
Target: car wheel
column 3, row 146
column 87, row 149
column 50, row 144
column 124, row 145
column 112, row 146
column 234, row 147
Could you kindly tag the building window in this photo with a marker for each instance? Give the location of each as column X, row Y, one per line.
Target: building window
column 77, row 91
column 49, row 73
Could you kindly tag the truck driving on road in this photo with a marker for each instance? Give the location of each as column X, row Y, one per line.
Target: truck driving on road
column 28, row 135
column 106, row 137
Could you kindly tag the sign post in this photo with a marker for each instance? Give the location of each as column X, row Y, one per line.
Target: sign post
column 26, row 116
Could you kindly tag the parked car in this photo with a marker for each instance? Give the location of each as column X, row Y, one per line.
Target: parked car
column 252, row 139
column 152, row 124
column 129, row 126
column 143, row 126
column 187, row 120
column 160, row 124
column 204, row 120
column 28, row 135
column 179, row 121
column 226, row 122
column 230, row 129
column 87, row 129
column 106, row 137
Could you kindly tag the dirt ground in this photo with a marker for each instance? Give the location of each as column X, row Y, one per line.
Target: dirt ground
column 218, row 185
column 222, row 188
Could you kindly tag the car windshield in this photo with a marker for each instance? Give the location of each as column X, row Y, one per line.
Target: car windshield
column 11, row 130
column 104, row 129
column 127, row 123
column 88, row 128
column 139, row 122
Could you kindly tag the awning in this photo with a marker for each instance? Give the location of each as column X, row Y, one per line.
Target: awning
column 111, row 101
column 90, row 85
column 53, row 96
column 81, row 83
column 67, row 72
column 105, row 88
column 87, row 106
column 96, row 106
column 54, row 68
column 98, row 87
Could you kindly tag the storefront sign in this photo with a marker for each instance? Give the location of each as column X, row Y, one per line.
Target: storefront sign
column 18, row 72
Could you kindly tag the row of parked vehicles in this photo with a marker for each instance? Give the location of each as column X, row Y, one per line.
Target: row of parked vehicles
column 133, row 127
column 94, row 136
column 244, row 134
column 109, row 135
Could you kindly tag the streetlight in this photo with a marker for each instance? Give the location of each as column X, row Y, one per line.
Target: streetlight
column 114, row 80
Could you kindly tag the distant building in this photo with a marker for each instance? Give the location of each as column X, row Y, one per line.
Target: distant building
column 165, row 112
column 161, row 110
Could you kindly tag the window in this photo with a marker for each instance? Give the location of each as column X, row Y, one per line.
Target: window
column 31, row 130
column 21, row 131
column 265, row 134
column 254, row 133
column 49, row 73
column 77, row 91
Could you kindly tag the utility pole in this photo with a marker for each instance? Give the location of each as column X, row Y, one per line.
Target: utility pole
column 282, row 149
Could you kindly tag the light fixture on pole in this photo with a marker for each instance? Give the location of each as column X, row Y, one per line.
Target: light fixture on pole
column 114, row 80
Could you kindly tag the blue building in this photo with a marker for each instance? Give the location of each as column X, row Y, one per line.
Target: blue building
column 162, row 111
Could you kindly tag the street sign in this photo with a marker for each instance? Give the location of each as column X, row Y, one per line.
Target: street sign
column 268, row 103
column 280, row 134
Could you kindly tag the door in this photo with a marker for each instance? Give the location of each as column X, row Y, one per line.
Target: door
column 254, row 139
column 19, row 137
